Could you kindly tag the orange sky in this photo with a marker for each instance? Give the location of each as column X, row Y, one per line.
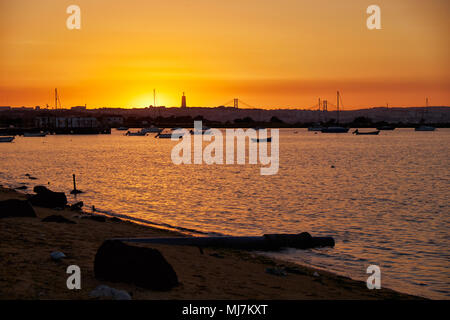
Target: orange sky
column 277, row 53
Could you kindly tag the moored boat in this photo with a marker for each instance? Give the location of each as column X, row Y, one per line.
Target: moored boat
column 135, row 134
column 262, row 139
column 336, row 129
column 167, row 136
column 151, row 129
column 425, row 128
column 34, row 134
column 6, row 139
column 373, row 133
column 316, row 128
column 386, row 128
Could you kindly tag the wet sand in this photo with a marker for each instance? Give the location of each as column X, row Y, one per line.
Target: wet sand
column 27, row 271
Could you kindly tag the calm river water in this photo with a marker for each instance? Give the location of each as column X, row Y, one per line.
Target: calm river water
column 385, row 201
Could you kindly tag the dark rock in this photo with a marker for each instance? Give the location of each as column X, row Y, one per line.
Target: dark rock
column 47, row 198
column 16, row 208
column 145, row 267
column 77, row 206
column 76, row 191
column 58, row 219
column 21, row 188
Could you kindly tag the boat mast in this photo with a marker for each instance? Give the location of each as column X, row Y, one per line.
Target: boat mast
column 154, row 97
column 56, row 98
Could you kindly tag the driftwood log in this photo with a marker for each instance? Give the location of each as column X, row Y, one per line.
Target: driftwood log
column 267, row 242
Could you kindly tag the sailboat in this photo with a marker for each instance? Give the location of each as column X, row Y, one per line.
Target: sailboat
column 336, row 129
column 316, row 126
column 424, row 127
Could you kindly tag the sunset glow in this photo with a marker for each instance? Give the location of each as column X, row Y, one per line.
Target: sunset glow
column 269, row 54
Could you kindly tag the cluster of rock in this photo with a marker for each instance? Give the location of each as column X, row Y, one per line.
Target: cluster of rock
column 116, row 261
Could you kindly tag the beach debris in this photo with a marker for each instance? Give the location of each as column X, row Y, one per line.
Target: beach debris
column 16, row 208
column 276, row 272
column 77, row 206
column 145, row 267
column 57, row 255
column 103, row 291
column 47, row 198
column 216, row 255
column 21, row 188
column 316, row 274
column 58, row 219
column 333, row 167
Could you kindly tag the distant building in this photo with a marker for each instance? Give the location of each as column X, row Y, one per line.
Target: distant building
column 66, row 122
column 183, row 101
column 114, row 121
column 78, row 108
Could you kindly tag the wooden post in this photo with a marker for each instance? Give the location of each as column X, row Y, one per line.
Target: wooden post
column 74, row 183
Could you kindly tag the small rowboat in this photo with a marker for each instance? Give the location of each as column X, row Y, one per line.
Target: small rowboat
column 335, row 130
column 34, row 134
column 425, row 128
column 135, row 134
column 6, row 139
column 372, row 133
column 262, row 140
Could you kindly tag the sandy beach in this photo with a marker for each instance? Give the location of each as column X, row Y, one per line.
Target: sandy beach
column 28, row 272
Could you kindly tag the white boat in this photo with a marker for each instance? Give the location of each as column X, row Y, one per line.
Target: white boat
column 425, row 128
column 34, row 134
column 6, row 139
